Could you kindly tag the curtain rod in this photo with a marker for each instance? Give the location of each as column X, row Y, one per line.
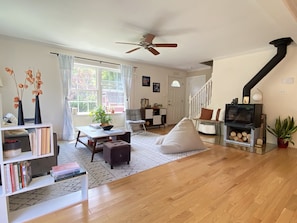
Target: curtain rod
column 83, row 58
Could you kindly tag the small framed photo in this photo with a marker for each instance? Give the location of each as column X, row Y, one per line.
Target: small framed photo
column 156, row 87
column 146, row 81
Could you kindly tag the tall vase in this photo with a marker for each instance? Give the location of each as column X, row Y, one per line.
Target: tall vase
column 20, row 114
column 37, row 118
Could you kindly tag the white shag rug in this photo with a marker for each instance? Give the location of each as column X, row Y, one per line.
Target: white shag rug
column 144, row 155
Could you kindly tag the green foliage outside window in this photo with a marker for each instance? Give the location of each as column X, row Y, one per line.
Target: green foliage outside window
column 92, row 86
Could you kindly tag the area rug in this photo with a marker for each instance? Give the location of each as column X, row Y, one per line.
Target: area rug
column 144, row 155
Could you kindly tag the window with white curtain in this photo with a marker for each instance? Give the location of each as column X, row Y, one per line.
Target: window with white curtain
column 92, row 86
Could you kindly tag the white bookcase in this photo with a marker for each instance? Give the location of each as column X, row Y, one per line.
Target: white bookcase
column 38, row 182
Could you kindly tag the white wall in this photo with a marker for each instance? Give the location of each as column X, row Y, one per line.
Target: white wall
column 231, row 74
column 158, row 75
column 21, row 55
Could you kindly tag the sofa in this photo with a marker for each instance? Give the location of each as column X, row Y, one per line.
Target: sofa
column 40, row 166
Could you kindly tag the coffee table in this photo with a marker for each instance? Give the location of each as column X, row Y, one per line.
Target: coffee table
column 96, row 137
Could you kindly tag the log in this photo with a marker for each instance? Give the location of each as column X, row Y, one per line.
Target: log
column 259, row 142
column 233, row 134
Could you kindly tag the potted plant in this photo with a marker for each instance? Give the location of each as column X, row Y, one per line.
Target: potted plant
column 283, row 131
column 99, row 115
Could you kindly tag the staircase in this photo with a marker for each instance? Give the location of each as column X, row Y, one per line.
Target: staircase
column 201, row 99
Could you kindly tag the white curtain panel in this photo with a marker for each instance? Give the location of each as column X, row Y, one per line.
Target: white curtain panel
column 127, row 72
column 66, row 66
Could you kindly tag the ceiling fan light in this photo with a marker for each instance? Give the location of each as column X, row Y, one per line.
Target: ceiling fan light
column 175, row 83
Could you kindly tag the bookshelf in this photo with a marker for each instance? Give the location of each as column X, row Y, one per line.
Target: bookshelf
column 154, row 116
column 6, row 190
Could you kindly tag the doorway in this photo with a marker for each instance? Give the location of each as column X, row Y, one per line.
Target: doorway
column 176, row 101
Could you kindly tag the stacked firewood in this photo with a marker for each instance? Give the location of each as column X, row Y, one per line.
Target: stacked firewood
column 240, row 136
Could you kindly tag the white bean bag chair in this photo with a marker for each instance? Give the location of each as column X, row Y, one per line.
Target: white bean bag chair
column 182, row 138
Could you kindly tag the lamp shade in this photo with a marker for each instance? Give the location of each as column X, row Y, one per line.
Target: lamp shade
column 175, row 83
column 257, row 97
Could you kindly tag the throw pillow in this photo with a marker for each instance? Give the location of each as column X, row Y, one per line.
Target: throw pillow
column 222, row 115
column 216, row 114
column 206, row 114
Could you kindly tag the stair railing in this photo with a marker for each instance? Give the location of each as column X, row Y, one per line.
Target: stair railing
column 200, row 99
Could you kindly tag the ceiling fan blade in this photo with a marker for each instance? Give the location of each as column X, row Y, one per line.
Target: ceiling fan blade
column 130, row 51
column 148, row 38
column 153, row 51
column 135, row 44
column 165, row 45
column 208, row 63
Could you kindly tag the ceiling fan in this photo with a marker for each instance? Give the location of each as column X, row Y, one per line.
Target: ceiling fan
column 147, row 43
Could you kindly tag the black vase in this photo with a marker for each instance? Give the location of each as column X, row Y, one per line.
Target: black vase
column 20, row 114
column 37, row 118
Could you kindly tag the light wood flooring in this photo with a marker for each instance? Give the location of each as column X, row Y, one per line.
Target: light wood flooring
column 221, row 185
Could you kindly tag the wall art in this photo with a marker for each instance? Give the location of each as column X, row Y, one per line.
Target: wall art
column 156, row 87
column 146, row 81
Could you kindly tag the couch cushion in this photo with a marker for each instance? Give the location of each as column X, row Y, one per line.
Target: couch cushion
column 183, row 137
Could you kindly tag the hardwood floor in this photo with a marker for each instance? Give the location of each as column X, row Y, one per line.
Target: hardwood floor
column 221, row 185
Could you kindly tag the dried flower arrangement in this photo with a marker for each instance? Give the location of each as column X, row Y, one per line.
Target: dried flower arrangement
column 20, row 87
column 35, row 81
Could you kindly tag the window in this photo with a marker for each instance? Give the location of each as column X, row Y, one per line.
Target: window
column 92, row 86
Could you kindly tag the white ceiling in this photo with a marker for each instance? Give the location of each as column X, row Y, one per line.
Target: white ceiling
column 203, row 29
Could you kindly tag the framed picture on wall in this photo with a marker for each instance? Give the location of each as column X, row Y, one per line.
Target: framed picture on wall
column 156, row 87
column 146, row 81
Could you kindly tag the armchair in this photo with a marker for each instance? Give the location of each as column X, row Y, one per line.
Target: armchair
column 134, row 120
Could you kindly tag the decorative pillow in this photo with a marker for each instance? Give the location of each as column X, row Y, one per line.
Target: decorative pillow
column 206, row 114
column 222, row 115
column 183, row 137
column 216, row 114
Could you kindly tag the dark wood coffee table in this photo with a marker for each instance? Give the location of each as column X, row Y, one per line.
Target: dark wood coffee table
column 94, row 137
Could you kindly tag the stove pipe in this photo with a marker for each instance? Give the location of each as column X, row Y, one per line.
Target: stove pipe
column 281, row 45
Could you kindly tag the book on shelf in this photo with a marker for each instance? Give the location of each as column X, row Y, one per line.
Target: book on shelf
column 40, row 141
column 13, row 185
column 17, row 175
column 79, row 172
column 33, row 141
column 26, row 173
column 16, row 169
column 65, row 170
column 7, row 178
